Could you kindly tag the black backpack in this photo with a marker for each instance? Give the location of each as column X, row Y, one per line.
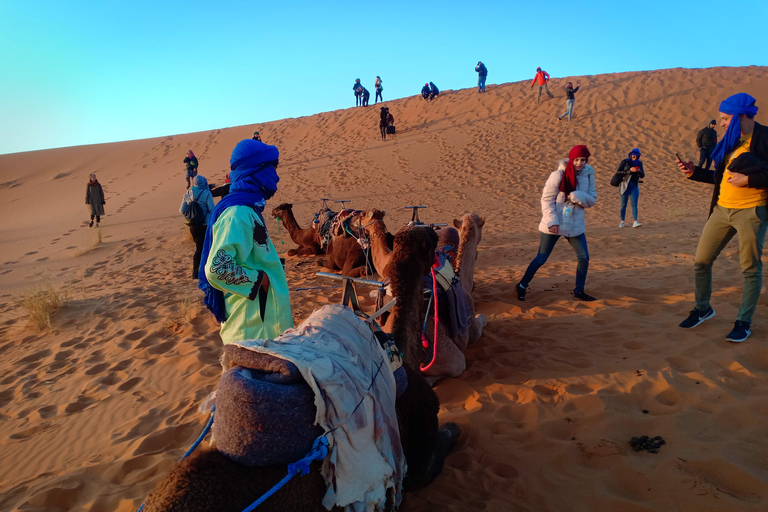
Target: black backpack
column 194, row 213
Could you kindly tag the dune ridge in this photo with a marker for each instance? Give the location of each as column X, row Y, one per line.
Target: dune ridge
column 96, row 411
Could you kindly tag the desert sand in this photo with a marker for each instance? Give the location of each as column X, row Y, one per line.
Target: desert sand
column 95, row 411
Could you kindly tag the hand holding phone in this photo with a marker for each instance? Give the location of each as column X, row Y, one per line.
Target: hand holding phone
column 686, row 167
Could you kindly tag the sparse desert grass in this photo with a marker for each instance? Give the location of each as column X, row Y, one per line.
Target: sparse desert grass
column 94, row 242
column 40, row 303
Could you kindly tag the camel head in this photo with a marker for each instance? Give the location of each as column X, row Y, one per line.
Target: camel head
column 470, row 227
column 279, row 210
column 370, row 216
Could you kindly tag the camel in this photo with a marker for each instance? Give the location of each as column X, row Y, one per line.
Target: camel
column 209, row 481
column 307, row 239
column 345, row 253
column 381, row 239
column 450, row 361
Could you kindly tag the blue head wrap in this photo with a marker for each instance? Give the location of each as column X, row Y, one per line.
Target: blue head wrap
column 635, row 163
column 741, row 103
column 254, row 180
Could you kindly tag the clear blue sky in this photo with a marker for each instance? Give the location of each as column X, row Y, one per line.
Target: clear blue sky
column 78, row 72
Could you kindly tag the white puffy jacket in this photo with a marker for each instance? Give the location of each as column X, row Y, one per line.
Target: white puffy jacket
column 554, row 202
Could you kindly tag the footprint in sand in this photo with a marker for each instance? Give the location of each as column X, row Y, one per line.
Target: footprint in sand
column 31, row 432
column 48, row 411
column 82, row 403
column 129, row 384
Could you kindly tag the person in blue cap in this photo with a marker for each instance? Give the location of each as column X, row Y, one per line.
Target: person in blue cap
column 738, row 207
column 241, row 273
column 631, row 168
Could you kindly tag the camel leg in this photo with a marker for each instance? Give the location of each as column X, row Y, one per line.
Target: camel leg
column 476, row 322
column 306, row 251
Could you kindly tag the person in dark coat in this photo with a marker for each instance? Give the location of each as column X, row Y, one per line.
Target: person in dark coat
column 738, row 207
column 706, row 140
column 256, row 136
column 94, row 197
column 383, row 122
column 570, row 98
column 425, row 91
column 191, row 162
column 358, row 89
column 433, row 91
column 482, row 73
column 365, row 96
column 631, row 168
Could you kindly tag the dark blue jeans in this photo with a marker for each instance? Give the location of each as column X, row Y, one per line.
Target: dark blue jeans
column 547, row 243
column 705, row 155
column 633, row 193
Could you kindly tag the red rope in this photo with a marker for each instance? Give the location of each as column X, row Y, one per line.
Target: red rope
column 424, row 341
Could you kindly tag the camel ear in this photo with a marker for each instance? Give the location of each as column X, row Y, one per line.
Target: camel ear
column 483, row 220
column 457, row 223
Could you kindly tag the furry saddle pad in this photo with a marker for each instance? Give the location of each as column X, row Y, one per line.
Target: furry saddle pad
column 265, row 411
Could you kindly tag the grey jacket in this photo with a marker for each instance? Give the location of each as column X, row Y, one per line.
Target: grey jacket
column 554, row 202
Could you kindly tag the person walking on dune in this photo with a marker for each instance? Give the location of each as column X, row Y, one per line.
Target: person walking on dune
column 94, row 198
column 541, row 79
column 379, row 88
column 567, row 193
column 482, row 74
column 738, row 207
column 196, row 206
column 569, row 100
column 256, row 136
column 631, row 170
column 242, row 276
column 706, row 140
column 191, row 161
column 384, row 122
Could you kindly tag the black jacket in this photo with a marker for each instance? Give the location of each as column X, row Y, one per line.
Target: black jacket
column 481, row 69
column 433, row 89
column 569, row 92
column 755, row 166
column 706, row 138
column 625, row 169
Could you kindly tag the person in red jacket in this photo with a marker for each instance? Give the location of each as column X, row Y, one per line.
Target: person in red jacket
column 541, row 79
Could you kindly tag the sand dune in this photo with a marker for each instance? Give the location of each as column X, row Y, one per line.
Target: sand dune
column 96, row 411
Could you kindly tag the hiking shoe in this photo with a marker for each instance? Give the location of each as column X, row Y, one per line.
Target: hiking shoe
column 621, row 224
column 739, row 333
column 695, row 317
column 90, row 225
column 583, row 296
column 636, row 224
column 521, row 291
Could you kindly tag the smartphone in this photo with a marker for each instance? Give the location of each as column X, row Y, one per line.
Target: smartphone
column 678, row 158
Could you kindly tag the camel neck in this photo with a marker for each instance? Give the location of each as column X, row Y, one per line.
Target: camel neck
column 406, row 319
column 289, row 221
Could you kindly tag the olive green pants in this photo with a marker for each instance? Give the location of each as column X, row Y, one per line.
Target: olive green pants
column 750, row 224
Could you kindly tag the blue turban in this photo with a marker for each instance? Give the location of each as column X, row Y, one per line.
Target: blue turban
column 254, row 180
column 741, row 103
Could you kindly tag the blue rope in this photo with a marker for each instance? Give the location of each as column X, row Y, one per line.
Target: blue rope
column 195, row 444
column 319, row 451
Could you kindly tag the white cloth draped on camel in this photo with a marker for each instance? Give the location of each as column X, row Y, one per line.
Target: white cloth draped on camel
column 349, row 372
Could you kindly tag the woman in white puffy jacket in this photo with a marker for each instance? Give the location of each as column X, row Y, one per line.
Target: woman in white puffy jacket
column 568, row 192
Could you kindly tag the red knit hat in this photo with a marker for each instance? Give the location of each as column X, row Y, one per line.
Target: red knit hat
column 568, row 183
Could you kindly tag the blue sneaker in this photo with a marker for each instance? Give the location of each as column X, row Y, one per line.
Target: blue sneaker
column 739, row 333
column 695, row 317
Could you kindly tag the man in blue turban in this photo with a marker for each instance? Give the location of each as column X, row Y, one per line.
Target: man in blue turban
column 739, row 206
column 242, row 275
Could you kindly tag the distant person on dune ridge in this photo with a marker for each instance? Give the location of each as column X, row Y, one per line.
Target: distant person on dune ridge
column 196, row 206
column 379, row 88
column 541, row 79
column 570, row 98
column 433, row 91
column 94, row 197
column 706, row 140
column 256, row 136
column 192, row 164
column 482, row 74
column 425, row 92
column 241, row 273
column 384, row 122
column 567, row 193
column 365, row 96
column 631, row 168
column 358, row 89
column 738, row 207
